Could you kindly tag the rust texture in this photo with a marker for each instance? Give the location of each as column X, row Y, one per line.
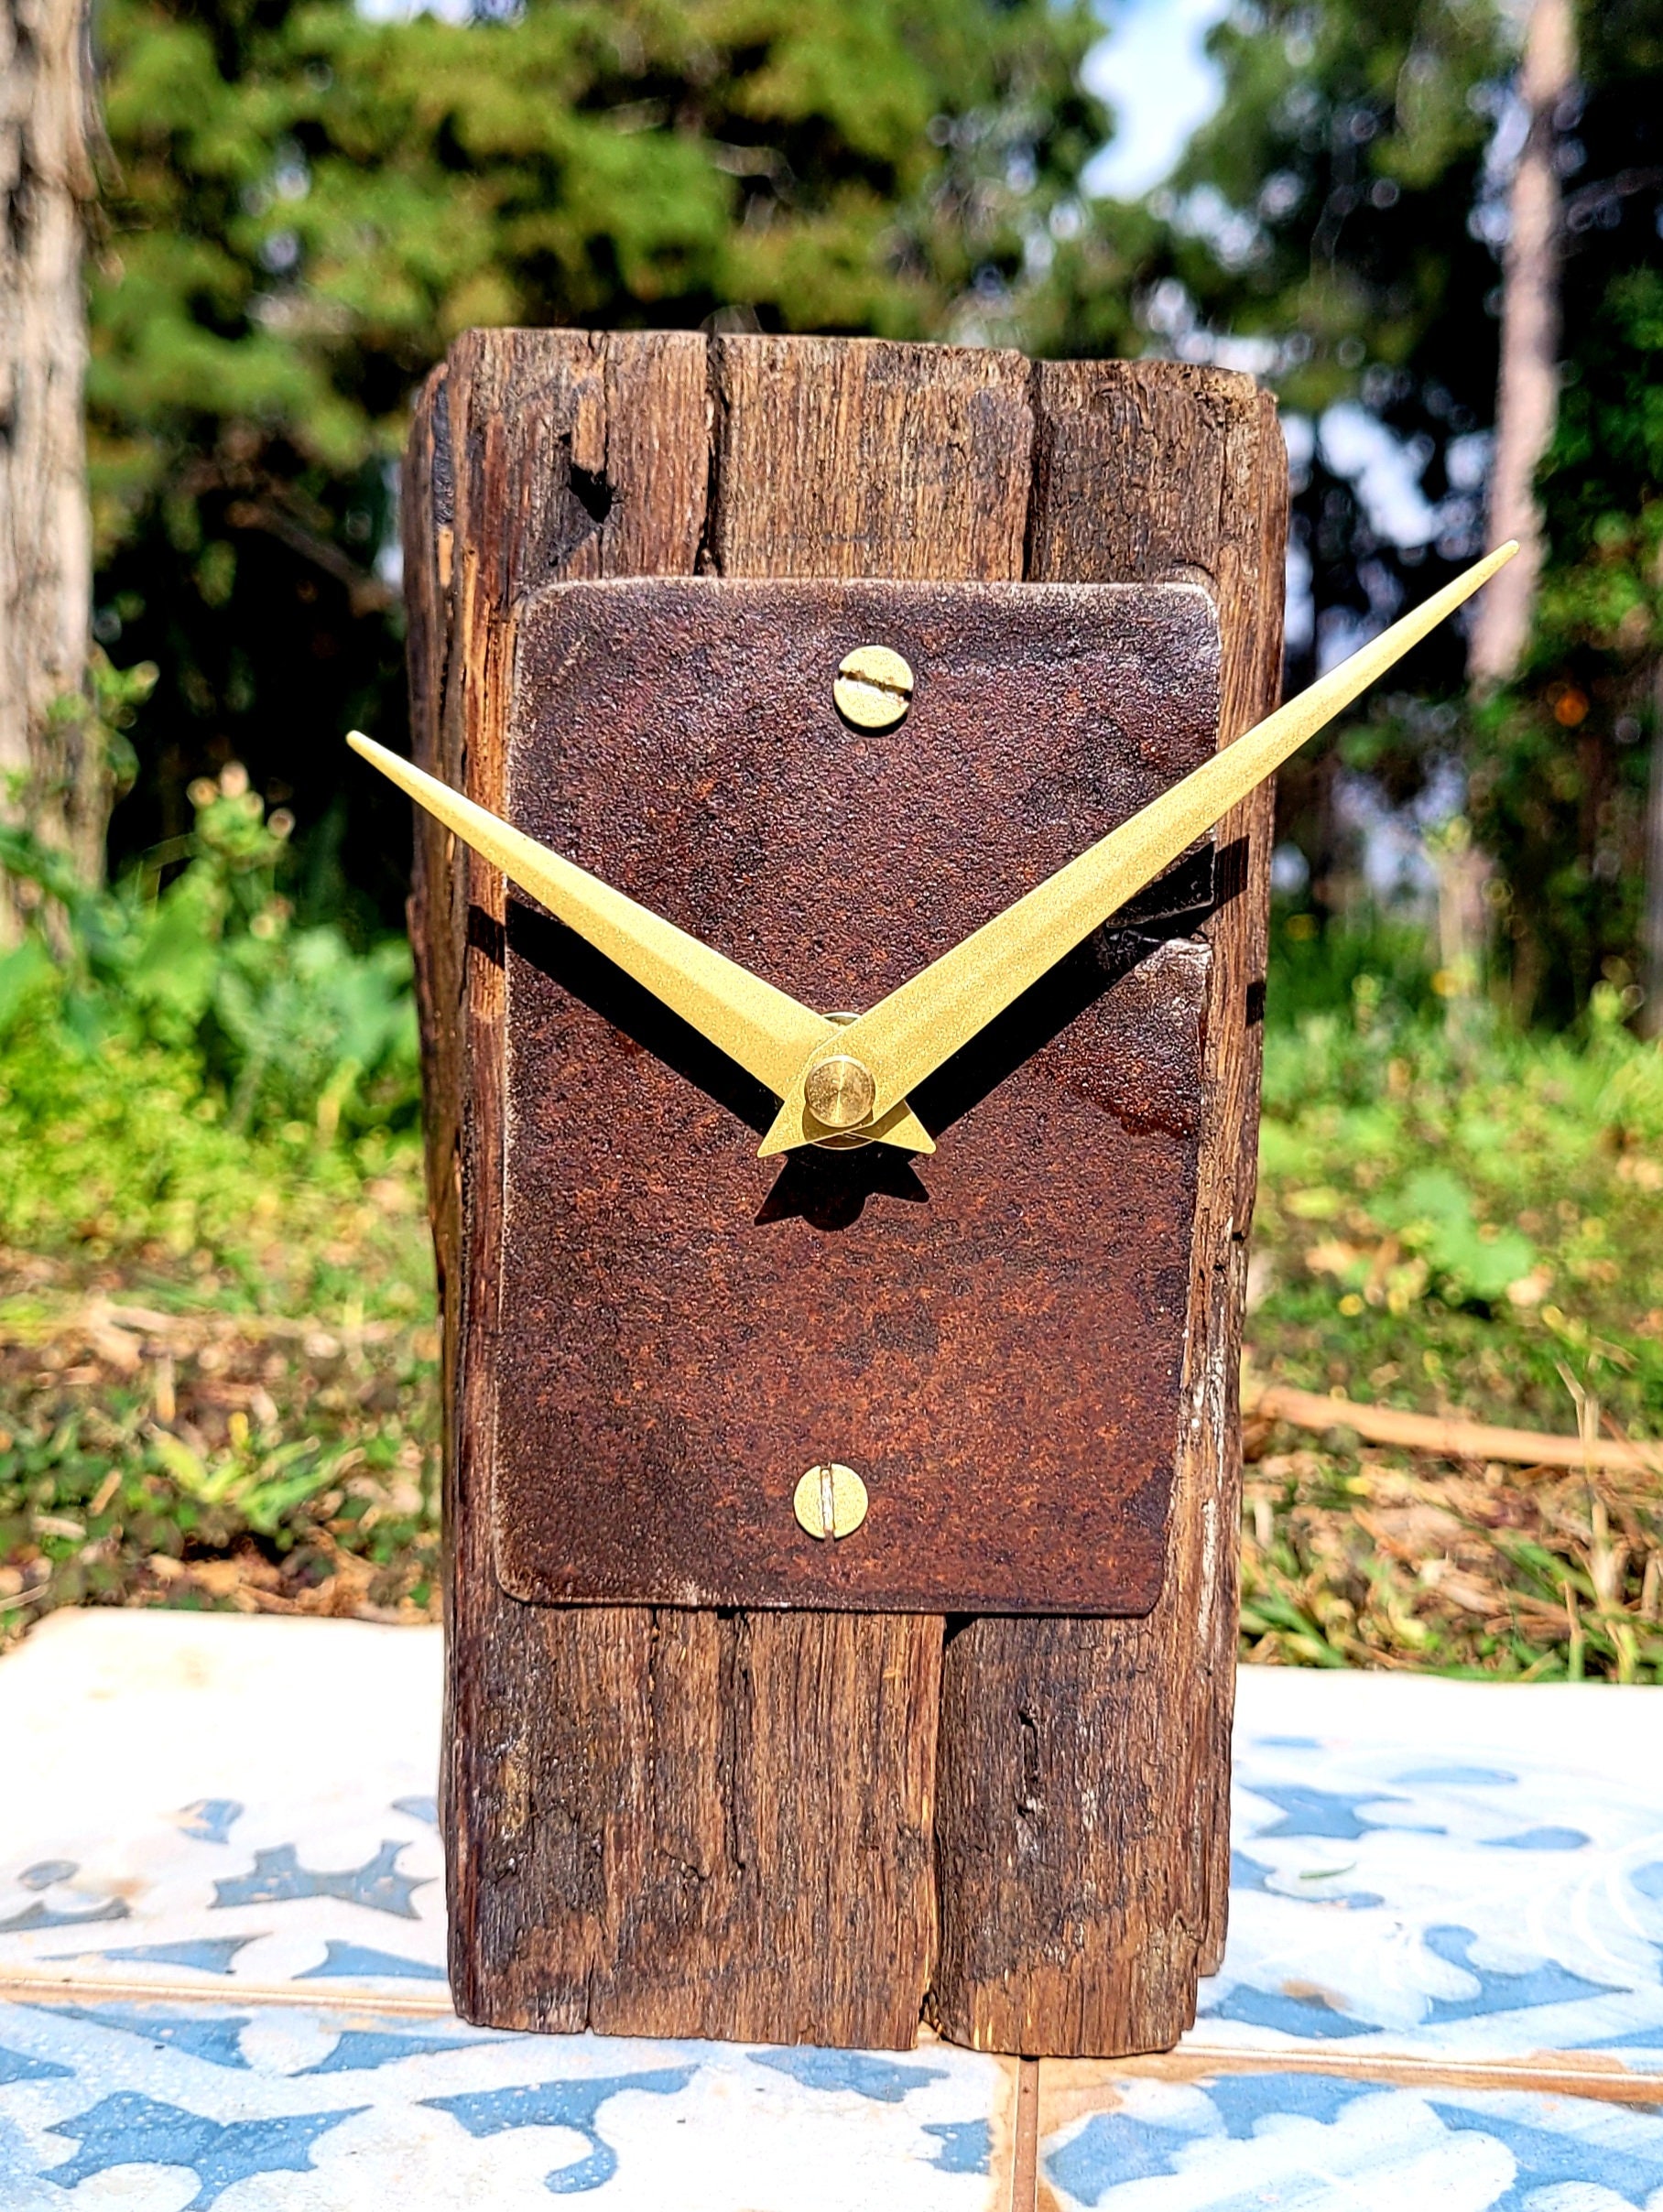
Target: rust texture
column 992, row 1337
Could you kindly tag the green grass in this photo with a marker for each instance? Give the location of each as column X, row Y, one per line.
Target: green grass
column 1453, row 1218
column 218, row 1378
column 218, row 1365
column 217, row 1354
column 1454, row 1213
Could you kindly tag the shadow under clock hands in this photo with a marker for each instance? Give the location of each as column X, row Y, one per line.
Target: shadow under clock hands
column 827, row 1189
column 1176, row 905
column 830, row 1190
column 564, row 957
column 1043, row 1012
column 1195, row 885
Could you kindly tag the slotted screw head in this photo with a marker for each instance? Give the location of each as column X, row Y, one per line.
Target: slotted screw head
column 873, row 688
column 830, row 1501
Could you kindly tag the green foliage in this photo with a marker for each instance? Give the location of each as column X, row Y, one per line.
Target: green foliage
column 1352, row 1557
column 278, row 1021
column 222, row 1458
column 1337, row 224
column 1454, row 1208
column 1316, row 232
column 309, row 205
column 262, row 1486
column 1314, row 209
column 1316, row 228
column 88, row 724
column 1454, row 1216
column 1376, row 967
column 210, row 1114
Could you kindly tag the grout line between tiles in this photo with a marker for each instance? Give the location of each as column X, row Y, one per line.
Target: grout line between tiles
column 65, row 1989
column 1558, row 2075
column 1025, row 2156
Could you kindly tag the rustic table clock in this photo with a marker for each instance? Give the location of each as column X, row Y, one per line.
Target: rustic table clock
column 840, row 995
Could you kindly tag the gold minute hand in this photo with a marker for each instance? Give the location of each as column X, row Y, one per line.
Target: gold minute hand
column 892, row 1049
column 768, row 1033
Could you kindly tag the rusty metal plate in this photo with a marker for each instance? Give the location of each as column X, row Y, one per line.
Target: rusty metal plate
column 991, row 1337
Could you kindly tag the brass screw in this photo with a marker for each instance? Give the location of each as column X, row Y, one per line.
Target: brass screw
column 873, row 688
column 830, row 1501
column 840, row 1091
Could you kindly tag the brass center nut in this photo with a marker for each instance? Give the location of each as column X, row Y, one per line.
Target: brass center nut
column 873, row 688
column 840, row 1091
column 830, row 1501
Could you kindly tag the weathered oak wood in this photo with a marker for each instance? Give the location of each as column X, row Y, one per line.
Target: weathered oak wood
column 685, row 1822
column 841, row 457
column 665, row 1822
column 1083, row 1830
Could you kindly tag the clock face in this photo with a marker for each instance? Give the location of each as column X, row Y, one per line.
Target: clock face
column 988, row 1339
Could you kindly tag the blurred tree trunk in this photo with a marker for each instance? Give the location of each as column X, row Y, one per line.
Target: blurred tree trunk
column 52, row 773
column 1528, row 393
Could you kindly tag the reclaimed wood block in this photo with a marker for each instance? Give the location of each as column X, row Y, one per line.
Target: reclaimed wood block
column 701, row 1778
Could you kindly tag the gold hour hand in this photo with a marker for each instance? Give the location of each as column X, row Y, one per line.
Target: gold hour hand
column 768, row 1033
column 890, row 1050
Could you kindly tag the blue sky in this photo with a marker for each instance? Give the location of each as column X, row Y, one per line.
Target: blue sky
column 1153, row 72
column 1152, row 69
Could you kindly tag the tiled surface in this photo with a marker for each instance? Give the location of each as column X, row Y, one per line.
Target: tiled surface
column 163, row 2106
column 214, row 1802
column 221, row 1978
column 1446, row 1921
column 1455, row 1871
column 221, row 1936
column 1266, row 2140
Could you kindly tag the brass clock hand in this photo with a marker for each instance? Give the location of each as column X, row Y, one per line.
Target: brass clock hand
column 890, row 1050
column 769, row 1034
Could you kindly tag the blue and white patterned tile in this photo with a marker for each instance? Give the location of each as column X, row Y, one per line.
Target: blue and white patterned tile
column 219, row 1801
column 183, row 2107
column 1456, row 1871
column 1440, row 1875
column 1261, row 2139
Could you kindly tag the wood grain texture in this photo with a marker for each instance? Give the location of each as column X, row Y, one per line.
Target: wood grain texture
column 668, row 1822
column 850, row 456
column 1083, row 1824
column 692, row 1823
